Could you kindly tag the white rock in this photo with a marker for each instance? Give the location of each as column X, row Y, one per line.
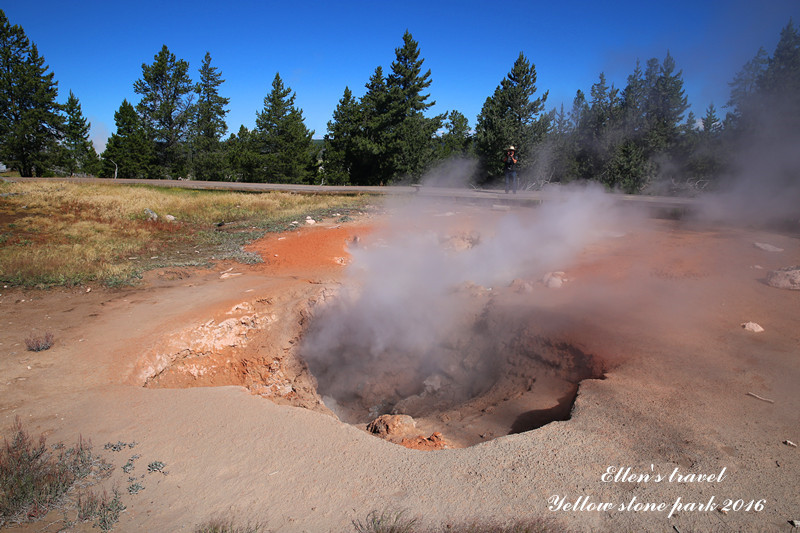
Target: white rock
column 169, row 218
column 785, row 278
column 752, row 326
column 767, row 247
column 553, row 280
column 433, row 384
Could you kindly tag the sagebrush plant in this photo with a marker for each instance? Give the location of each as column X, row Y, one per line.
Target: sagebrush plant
column 519, row 526
column 101, row 510
column 397, row 522
column 221, row 525
column 386, row 522
column 108, row 512
column 38, row 343
column 34, row 479
column 58, row 233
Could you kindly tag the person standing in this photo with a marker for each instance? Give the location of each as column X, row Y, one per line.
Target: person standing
column 510, row 162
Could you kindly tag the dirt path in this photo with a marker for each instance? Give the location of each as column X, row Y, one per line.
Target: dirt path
column 662, row 306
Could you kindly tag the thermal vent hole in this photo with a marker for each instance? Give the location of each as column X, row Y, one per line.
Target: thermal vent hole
column 495, row 375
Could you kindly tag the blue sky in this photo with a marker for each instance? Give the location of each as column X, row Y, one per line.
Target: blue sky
column 96, row 49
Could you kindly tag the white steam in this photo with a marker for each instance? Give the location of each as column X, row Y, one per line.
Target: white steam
column 401, row 299
column 766, row 186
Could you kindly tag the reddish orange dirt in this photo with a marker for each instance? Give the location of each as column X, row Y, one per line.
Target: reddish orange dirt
column 314, row 249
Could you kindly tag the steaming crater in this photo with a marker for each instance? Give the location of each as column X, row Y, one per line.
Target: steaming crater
column 495, row 373
column 439, row 319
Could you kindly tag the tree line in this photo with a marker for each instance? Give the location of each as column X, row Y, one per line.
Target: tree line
column 629, row 138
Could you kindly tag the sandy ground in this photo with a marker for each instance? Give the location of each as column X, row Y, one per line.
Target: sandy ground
column 662, row 306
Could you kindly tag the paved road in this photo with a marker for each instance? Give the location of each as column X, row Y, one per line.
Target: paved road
column 495, row 197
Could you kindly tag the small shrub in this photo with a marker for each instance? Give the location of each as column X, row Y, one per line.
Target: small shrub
column 119, row 445
column 33, row 480
column 218, row 525
column 38, row 344
column 156, row 466
column 395, row 522
column 88, row 506
column 102, row 510
column 535, row 526
column 108, row 512
column 385, row 522
column 129, row 466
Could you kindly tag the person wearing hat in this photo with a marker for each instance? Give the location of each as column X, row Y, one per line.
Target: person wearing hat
column 509, row 162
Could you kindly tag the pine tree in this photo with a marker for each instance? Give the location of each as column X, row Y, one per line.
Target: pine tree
column 633, row 102
column 241, row 157
column 600, row 134
column 711, row 122
column 79, row 154
column 166, row 109
column 129, row 151
column 511, row 117
column 703, row 148
column 209, row 124
column 457, row 139
column 579, row 110
column 745, row 86
column 666, row 103
column 370, row 164
column 779, row 87
column 30, row 117
column 781, row 78
column 340, row 140
column 14, row 49
column 561, row 141
column 410, row 136
column 282, row 139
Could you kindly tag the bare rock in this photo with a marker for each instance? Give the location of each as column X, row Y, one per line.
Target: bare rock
column 459, row 242
column 767, row 247
column 520, row 285
column 151, row 215
column 434, row 442
column 785, row 278
column 169, row 218
column 752, row 326
column 433, row 383
column 553, row 280
column 472, row 289
column 387, row 426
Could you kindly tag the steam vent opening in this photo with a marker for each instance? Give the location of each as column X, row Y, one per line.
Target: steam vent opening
column 493, row 375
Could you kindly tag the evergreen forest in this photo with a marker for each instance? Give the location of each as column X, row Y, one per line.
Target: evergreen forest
column 640, row 138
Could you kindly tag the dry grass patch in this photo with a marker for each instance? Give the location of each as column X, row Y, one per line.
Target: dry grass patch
column 221, row 525
column 59, row 233
column 398, row 522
